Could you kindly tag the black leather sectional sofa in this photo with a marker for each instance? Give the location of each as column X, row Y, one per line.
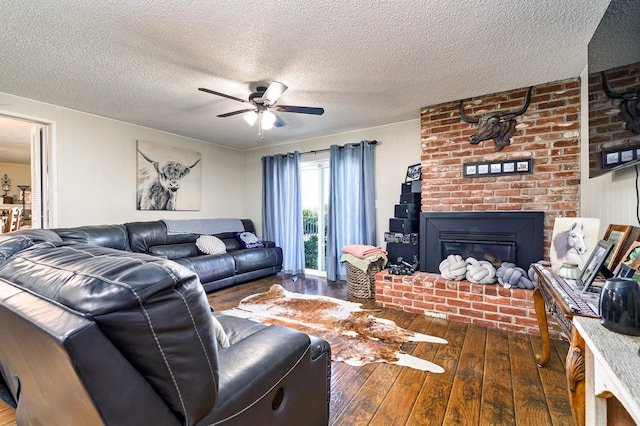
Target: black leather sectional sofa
column 92, row 334
column 215, row 271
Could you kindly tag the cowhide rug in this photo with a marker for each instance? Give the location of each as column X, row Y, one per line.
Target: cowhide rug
column 356, row 337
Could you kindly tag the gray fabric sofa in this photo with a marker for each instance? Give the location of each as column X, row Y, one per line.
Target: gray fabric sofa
column 97, row 335
column 215, row 271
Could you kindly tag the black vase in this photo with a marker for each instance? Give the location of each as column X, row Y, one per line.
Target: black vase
column 620, row 305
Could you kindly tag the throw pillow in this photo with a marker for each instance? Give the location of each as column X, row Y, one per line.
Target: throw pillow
column 221, row 335
column 249, row 240
column 210, row 245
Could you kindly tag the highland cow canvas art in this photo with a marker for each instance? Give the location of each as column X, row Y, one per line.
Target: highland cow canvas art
column 168, row 178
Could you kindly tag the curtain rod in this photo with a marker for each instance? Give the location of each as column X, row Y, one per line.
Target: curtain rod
column 315, row 151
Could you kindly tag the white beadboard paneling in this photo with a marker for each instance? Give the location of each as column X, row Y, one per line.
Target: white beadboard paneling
column 610, row 197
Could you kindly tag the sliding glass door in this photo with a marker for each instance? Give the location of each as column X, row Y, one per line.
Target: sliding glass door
column 315, row 196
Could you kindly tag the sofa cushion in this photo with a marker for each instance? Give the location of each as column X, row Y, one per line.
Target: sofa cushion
column 256, row 258
column 153, row 310
column 144, row 235
column 249, row 240
column 221, row 335
column 175, row 251
column 210, row 267
column 210, row 244
column 113, row 236
column 231, row 244
column 13, row 242
column 237, row 328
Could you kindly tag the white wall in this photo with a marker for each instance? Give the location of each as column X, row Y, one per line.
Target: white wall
column 96, row 168
column 398, row 147
column 610, row 197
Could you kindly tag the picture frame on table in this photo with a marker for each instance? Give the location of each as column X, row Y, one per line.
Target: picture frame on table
column 618, row 235
column 595, row 262
column 625, row 271
column 630, row 256
column 569, row 232
column 413, row 173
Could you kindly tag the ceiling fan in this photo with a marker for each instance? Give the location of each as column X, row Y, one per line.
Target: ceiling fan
column 262, row 101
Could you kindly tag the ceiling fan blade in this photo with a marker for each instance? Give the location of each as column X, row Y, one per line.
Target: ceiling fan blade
column 202, row 89
column 229, row 114
column 279, row 122
column 273, row 92
column 299, row 109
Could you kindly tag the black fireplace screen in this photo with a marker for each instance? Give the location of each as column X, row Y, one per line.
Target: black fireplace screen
column 509, row 236
column 495, row 252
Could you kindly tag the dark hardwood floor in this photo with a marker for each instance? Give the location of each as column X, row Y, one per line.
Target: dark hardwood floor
column 491, row 377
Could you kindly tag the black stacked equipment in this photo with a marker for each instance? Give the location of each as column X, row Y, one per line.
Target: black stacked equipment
column 403, row 236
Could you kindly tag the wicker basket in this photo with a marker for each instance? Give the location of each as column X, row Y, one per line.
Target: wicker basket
column 361, row 284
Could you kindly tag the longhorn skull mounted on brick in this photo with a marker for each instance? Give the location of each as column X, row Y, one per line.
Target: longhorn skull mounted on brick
column 495, row 125
column 629, row 105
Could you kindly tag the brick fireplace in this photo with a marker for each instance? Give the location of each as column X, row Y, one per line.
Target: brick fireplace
column 548, row 134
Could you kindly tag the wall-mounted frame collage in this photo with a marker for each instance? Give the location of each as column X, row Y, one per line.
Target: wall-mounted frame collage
column 618, row 157
column 498, row 168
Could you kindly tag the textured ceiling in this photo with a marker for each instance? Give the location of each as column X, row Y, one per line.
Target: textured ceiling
column 368, row 63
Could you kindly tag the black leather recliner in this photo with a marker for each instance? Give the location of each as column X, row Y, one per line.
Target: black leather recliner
column 97, row 335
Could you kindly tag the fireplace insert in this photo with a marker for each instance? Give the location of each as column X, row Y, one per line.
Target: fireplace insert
column 504, row 236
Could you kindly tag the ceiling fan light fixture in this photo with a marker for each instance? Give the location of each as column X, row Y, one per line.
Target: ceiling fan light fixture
column 251, row 117
column 268, row 120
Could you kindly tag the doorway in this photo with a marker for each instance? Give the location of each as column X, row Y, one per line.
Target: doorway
column 27, row 161
column 315, row 197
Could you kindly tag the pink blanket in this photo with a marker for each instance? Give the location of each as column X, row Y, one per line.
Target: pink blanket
column 363, row 251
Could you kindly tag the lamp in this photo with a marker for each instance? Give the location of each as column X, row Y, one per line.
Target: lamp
column 23, row 188
column 268, row 120
column 251, row 117
column 265, row 118
column 6, row 185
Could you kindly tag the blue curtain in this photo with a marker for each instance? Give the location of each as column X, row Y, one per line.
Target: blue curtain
column 282, row 208
column 352, row 209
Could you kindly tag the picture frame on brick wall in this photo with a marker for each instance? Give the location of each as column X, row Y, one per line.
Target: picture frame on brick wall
column 498, row 168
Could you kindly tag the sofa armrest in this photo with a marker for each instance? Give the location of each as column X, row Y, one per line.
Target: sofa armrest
column 269, row 244
column 319, row 348
column 271, row 372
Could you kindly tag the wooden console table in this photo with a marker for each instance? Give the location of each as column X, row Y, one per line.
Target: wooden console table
column 549, row 296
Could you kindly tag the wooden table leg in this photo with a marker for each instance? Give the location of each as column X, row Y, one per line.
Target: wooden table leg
column 575, row 377
column 541, row 315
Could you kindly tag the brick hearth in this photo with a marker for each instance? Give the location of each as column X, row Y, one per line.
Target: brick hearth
column 548, row 133
column 486, row 305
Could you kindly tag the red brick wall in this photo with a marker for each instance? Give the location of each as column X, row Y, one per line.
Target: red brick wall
column 606, row 128
column 548, row 134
